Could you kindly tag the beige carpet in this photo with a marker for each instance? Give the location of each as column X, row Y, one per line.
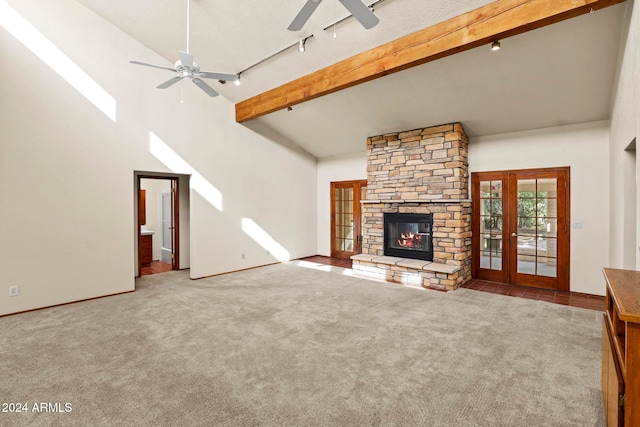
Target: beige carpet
column 295, row 346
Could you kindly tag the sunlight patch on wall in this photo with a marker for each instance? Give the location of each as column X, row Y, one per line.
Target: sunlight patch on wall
column 177, row 164
column 263, row 238
column 37, row 43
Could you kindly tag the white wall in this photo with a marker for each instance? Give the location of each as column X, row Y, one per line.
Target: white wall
column 66, row 166
column 625, row 127
column 584, row 148
column 347, row 168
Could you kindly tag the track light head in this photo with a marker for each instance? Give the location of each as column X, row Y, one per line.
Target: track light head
column 495, row 45
column 301, row 44
column 238, row 82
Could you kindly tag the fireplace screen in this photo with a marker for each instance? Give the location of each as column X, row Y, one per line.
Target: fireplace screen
column 408, row 236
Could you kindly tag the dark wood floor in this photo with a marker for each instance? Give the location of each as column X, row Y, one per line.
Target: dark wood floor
column 336, row 262
column 575, row 299
column 155, row 267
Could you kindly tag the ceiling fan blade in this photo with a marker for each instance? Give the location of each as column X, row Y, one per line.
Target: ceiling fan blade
column 169, row 82
column 205, row 87
column 303, row 16
column 186, row 59
column 361, row 12
column 151, row 65
column 218, row 76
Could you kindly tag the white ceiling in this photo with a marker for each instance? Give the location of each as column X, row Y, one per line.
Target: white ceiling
column 560, row 74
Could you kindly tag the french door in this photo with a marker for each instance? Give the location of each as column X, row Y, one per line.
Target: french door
column 520, row 227
column 346, row 217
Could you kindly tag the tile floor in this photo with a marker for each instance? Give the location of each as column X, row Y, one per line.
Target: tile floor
column 593, row 302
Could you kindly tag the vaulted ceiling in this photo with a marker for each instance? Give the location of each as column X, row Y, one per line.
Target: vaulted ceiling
column 560, row 74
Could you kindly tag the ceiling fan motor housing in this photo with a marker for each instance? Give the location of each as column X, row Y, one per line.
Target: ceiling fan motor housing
column 186, row 71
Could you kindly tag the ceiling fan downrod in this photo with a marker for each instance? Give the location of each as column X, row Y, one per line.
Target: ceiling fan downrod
column 188, row 14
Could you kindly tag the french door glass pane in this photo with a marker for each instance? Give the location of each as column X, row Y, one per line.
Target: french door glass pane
column 546, row 267
column 344, row 219
column 485, row 259
column 537, row 226
column 548, row 227
column 496, row 261
column 491, row 225
column 526, row 264
column 547, row 187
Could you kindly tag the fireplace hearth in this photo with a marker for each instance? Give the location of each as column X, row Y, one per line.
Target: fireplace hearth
column 408, row 235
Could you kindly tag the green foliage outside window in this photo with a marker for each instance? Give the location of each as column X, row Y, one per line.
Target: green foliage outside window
column 531, row 210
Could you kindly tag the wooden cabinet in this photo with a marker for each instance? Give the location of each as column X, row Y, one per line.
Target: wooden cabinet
column 142, row 207
column 146, row 250
column 621, row 348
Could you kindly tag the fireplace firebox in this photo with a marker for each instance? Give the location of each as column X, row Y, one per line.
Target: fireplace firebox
column 408, row 235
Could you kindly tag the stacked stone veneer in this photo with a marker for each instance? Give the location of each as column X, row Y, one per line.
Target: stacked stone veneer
column 419, row 171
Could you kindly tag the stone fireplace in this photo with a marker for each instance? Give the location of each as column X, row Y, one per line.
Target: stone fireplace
column 418, row 172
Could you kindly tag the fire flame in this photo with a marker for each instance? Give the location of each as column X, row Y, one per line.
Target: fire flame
column 409, row 240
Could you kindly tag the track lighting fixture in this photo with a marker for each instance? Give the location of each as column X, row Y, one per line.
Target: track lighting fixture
column 237, row 82
column 495, row 45
column 301, row 47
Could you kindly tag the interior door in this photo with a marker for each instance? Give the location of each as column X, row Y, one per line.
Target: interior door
column 173, row 224
column 522, row 222
column 346, row 217
column 166, row 227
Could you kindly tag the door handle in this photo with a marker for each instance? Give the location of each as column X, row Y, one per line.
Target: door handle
column 514, row 234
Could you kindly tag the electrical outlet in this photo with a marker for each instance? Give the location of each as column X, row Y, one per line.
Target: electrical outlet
column 13, row 291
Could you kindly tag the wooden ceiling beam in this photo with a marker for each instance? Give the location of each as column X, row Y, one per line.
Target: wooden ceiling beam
column 494, row 21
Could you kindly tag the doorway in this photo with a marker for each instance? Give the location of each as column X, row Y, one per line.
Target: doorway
column 346, row 217
column 520, row 223
column 158, row 224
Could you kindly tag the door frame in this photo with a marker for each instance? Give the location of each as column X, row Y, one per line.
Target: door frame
column 509, row 265
column 175, row 264
column 357, row 185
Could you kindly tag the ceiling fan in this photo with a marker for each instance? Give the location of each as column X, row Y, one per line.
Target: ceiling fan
column 187, row 68
column 358, row 9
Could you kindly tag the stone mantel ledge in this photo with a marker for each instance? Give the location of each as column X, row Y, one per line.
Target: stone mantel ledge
column 416, row 264
column 423, row 201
